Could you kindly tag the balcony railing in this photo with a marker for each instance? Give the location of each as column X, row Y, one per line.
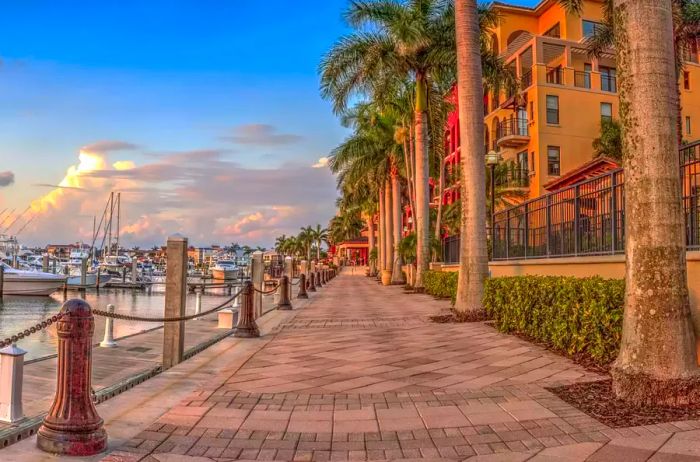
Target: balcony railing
column 582, row 79
column 555, row 75
column 514, row 130
column 526, row 80
column 608, row 83
column 514, row 178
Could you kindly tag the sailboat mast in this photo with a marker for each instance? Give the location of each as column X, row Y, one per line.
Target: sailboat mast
column 119, row 213
column 111, row 215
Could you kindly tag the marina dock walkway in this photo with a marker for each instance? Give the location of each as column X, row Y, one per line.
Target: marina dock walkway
column 359, row 372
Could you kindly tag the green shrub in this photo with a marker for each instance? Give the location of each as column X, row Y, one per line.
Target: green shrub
column 441, row 284
column 578, row 316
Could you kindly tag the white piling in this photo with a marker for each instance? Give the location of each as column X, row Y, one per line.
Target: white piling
column 108, row 341
column 11, row 377
column 197, row 302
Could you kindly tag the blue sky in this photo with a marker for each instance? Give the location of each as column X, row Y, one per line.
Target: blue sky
column 164, row 77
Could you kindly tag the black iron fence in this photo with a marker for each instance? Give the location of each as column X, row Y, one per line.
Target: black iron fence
column 515, row 126
column 587, row 218
column 582, row 220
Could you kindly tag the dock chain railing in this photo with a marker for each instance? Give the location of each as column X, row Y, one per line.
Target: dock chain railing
column 27, row 332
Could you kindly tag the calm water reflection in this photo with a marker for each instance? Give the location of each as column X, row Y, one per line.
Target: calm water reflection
column 19, row 313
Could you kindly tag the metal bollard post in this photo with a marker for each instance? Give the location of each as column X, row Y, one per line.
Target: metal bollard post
column 197, row 303
column 284, row 303
column 72, row 426
column 312, row 282
column 302, row 287
column 247, row 327
column 11, row 377
column 318, row 279
column 108, row 341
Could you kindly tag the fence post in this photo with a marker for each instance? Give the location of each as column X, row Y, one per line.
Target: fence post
column 246, row 326
column 507, row 234
column 258, row 277
column 527, row 230
column 197, row 302
column 108, row 340
column 312, row 280
column 548, row 225
column 613, row 212
column 577, row 207
column 175, row 298
column 284, row 303
column 302, row 287
column 72, row 426
column 11, row 378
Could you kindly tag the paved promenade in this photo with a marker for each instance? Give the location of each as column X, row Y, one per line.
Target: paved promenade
column 360, row 373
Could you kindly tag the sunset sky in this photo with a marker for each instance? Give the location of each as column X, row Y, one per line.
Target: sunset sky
column 205, row 114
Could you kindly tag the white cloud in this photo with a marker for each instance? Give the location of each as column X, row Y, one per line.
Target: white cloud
column 322, row 163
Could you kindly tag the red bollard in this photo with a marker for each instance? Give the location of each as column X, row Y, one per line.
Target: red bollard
column 72, row 426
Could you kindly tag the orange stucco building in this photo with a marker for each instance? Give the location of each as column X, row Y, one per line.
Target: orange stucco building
column 547, row 127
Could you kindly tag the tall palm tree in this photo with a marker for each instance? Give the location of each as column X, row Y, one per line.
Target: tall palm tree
column 306, row 236
column 657, row 363
column 319, row 235
column 394, row 40
column 280, row 244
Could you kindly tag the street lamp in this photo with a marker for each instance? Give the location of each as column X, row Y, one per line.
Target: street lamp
column 492, row 158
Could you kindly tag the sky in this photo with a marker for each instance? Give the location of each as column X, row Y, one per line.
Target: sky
column 204, row 114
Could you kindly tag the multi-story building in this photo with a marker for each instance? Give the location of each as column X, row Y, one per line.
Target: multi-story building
column 546, row 128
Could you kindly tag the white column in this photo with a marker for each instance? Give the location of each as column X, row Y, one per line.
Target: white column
column 11, row 376
column 108, row 341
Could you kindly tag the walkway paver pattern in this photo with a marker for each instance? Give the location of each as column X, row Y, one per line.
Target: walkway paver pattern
column 361, row 374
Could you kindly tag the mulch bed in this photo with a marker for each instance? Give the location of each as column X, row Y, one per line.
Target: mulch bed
column 455, row 316
column 598, row 401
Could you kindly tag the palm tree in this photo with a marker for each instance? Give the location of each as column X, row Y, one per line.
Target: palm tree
column 280, row 244
column 657, row 363
column 319, row 235
column 306, row 237
column 394, row 40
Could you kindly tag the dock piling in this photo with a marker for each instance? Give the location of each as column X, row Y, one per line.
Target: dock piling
column 11, row 378
column 175, row 298
column 108, row 341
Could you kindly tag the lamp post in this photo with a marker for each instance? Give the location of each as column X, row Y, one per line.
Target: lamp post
column 492, row 161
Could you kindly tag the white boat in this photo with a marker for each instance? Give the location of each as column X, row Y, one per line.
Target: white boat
column 19, row 282
column 225, row 269
column 90, row 280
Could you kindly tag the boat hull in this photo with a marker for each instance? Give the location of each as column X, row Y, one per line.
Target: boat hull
column 28, row 286
column 90, row 280
column 224, row 274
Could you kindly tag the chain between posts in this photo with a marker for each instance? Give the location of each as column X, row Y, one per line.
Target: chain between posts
column 27, row 332
column 296, row 283
column 126, row 317
column 266, row 292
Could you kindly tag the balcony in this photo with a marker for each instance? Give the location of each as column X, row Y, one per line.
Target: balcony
column 582, row 79
column 513, row 133
column 608, row 83
column 555, row 75
column 513, row 177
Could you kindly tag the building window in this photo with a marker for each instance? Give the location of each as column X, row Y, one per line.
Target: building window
column 555, row 31
column 686, row 80
column 553, row 161
column 687, row 125
column 608, row 79
column 589, row 27
column 605, row 112
column 552, row 109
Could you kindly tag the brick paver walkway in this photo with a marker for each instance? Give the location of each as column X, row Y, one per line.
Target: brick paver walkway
column 361, row 374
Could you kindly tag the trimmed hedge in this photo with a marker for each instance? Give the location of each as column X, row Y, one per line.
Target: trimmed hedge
column 441, row 284
column 577, row 316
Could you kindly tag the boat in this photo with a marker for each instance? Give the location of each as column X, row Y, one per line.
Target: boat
column 20, row 282
column 225, row 269
column 90, row 280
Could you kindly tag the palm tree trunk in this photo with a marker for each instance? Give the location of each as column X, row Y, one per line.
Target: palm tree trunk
column 382, row 231
column 372, row 244
column 397, row 272
column 388, row 228
column 657, row 363
column 422, row 212
column 318, row 250
column 408, row 160
column 473, row 257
